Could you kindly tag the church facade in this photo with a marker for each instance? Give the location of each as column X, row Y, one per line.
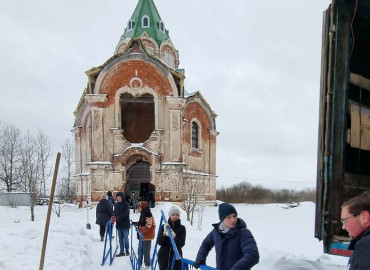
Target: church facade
column 137, row 129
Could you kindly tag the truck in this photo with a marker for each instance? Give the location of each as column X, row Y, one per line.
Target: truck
column 343, row 159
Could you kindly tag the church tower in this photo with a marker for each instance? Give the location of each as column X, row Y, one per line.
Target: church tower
column 137, row 129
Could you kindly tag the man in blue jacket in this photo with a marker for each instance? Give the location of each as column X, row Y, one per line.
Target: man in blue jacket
column 355, row 217
column 122, row 213
column 235, row 246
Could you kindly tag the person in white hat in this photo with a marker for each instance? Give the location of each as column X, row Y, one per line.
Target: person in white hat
column 178, row 233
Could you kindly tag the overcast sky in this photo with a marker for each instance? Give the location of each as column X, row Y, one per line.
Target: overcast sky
column 257, row 63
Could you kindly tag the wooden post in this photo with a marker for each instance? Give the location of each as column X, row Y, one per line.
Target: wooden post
column 51, row 199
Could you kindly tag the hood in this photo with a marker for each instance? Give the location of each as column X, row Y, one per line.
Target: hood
column 121, row 194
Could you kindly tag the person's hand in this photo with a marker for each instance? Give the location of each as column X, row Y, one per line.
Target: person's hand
column 173, row 234
column 114, row 219
column 197, row 263
column 165, row 229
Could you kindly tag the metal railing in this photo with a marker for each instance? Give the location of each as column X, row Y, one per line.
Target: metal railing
column 108, row 241
column 186, row 263
column 136, row 259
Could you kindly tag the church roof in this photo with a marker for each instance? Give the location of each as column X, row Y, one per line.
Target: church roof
column 146, row 19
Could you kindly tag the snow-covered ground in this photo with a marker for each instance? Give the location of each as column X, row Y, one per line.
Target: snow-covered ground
column 285, row 238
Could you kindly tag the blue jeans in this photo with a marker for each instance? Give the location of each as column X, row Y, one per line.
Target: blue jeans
column 123, row 240
column 134, row 205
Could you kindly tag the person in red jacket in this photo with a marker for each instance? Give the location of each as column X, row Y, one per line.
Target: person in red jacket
column 146, row 225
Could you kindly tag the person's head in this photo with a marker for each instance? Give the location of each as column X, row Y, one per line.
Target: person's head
column 142, row 205
column 109, row 194
column 104, row 197
column 355, row 214
column 174, row 213
column 133, row 193
column 228, row 215
column 120, row 196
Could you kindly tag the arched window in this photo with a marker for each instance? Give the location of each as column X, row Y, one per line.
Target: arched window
column 169, row 59
column 137, row 117
column 145, row 21
column 194, row 135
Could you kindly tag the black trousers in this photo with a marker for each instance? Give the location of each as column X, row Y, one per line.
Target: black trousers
column 146, row 252
column 102, row 230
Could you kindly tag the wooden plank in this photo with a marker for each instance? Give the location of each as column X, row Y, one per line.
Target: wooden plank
column 360, row 127
column 360, row 81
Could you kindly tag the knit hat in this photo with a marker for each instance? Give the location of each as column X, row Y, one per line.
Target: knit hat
column 173, row 210
column 109, row 193
column 226, row 209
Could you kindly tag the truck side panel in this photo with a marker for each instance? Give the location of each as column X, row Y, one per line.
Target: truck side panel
column 343, row 168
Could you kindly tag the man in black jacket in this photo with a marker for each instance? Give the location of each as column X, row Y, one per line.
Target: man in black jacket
column 122, row 213
column 355, row 217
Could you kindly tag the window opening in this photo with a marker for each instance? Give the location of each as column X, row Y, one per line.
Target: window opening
column 194, row 135
column 161, row 26
column 137, row 117
column 130, row 25
column 145, row 21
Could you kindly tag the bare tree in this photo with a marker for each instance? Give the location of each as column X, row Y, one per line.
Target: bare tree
column 10, row 156
column 43, row 153
column 57, row 207
column 193, row 189
column 67, row 190
column 31, row 168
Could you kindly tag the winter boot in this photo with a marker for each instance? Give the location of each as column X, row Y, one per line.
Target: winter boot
column 120, row 254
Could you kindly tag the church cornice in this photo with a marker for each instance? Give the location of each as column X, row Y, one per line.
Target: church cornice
column 136, row 148
column 193, row 96
column 94, row 72
column 96, row 98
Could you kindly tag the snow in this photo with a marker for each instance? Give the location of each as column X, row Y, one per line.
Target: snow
column 285, row 238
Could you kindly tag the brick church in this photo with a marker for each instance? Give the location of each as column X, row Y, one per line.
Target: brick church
column 136, row 128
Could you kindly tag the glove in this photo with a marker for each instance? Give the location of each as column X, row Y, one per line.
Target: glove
column 173, row 234
column 165, row 229
column 114, row 219
column 197, row 263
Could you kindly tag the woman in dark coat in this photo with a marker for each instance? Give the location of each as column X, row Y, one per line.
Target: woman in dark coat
column 178, row 231
column 104, row 212
column 235, row 246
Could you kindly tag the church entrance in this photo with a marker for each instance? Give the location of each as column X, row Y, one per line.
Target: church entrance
column 138, row 181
